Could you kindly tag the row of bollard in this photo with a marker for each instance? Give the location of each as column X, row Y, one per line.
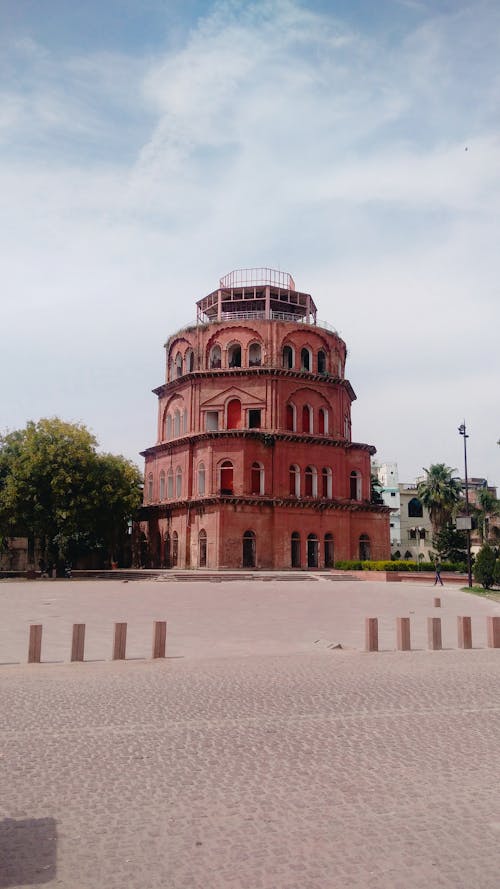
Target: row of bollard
column 434, row 639
column 78, row 642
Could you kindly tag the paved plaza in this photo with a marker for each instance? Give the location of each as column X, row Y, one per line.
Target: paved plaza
column 253, row 755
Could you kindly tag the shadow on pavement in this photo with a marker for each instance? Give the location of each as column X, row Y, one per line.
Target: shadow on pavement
column 27, row 851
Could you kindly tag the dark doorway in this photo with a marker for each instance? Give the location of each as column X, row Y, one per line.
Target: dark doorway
column 202, row 549
column 295, row 549
column 249, row 549
column 364, row 548
column 312, row 551
column 328, row 551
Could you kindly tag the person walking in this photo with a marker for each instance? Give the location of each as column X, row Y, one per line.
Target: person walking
column 437, row 578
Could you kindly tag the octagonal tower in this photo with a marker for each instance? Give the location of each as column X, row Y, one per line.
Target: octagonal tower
column 254, row 464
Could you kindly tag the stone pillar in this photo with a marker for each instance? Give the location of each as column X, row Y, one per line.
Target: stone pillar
column 493, row 628
column 403, row 633
column 371, row 634
column 120, row 642
column 464, row 632
column 434, row 633
column 78, row 642
column 159, row 638
column 35, row 644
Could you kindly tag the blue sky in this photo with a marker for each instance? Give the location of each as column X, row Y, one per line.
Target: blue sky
column 148, row 148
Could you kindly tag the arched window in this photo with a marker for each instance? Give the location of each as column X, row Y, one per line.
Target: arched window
column 255, row 355
column 305, row 359
column 311, row 481
column 415, row 510
column 226, row 477
column 321, row 362
column 202, row 548
column 347, row 428
column 234, row 355
column 364, row 548
column 167, row 551
column 422, row 534
column 408, row 555
column 306, row 418
column 323, row 421
column 184, row 421
column 326, row 482
column 290, row 417
column 295, row 542
column 170, row 484
column 329, row 551
column 177, row 423
column 178, row 365
column 215, row 359
column 201, row 479
column 162, row 485
column 249, row 560
column 168, row 427
column 171, row 369
column 312, row 551
column 294, row 474
column 234, row 414
column 189, row 361
column 355, row 486
column 175, row 549
column 257, row 479
column 178, row 482
column 288, row 357
column 149, row 489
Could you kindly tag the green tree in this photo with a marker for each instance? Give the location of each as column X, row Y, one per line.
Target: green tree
column 55, row 487
column 376, row 490
column 484, row 567
column 487, row 506
column 451, row 544
column 440, row 493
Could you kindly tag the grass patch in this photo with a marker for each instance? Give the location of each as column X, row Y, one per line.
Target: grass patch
column 477, row 590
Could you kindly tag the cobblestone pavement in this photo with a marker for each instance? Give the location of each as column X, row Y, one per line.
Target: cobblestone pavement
column 304, row 769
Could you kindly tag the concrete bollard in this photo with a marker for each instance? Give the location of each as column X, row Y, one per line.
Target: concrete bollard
column 434, row 633
column 437, row 602
column 159, row 638
column 371, row 634
column 403, row 633
column 35, row 644
column 493, row 629
column 464, row 626
column 78, row 642
column 120, row 642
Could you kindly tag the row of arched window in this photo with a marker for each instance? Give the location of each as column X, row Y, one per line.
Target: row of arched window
column 306, row 483
column 292, row 358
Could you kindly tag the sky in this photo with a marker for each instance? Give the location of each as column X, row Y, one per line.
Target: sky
column 149, row 147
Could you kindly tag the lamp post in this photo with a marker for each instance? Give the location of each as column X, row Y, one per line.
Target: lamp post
column 462, row 429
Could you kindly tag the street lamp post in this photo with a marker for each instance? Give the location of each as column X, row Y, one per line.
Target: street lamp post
column 462, row 429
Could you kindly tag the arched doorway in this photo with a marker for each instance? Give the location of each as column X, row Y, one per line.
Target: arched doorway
column 234, row 414
column 329, row 551
column 364, row 548
column 249, row 549
column 226, row 477
column 175, row 549
column 202, row 548
column 312, row 551
column 167, row 551
column 295, row 549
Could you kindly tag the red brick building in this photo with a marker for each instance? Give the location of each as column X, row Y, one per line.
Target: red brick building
column 254, row 465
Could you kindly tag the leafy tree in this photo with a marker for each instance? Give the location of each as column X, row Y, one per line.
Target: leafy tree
column 487, row 506
column 484, row 567
column 440, row 492
column 451, row 544
column 376, row 491
column 55, row 487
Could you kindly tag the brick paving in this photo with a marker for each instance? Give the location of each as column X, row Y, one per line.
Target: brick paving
column 243, row 762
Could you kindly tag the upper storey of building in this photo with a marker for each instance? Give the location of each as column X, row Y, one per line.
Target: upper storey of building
column 256, row 294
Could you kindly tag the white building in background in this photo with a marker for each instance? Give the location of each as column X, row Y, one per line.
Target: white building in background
column 410, row 524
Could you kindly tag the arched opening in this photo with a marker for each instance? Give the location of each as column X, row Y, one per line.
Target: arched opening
column 294, row 474
column 408, row 555
column 226, row 477
column 215, row 359
column 202, row 549
column 177, row 424
column 306, row 418
column 149, row 488
column 355, row 486
column 305, row 359
column 321, row 362
column 288, row 358
column 162, row 485
column 364, row 548
column 234, row 355
column 255, row 355
column 178, row 482
column 178, row 365
column 329, row 558
column 326, row 482
column 257, row 479
column 323, row 421
column 167, row 427
column 175, row 549
column 310, row 481
column 249, row 549
column 189, row 361
column 170, row 484
column 167, row 551
column 312, row 551
column 201, row 479
column 415, row 509
column 234, row 414
column 290, row 417
column 295, row 549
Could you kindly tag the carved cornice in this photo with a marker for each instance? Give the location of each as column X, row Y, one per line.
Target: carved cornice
column 200, row 504
column 168, row 388
column 267, row 438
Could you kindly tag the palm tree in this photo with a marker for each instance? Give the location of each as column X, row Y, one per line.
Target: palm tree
column 487, row 506
column 440, row 492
